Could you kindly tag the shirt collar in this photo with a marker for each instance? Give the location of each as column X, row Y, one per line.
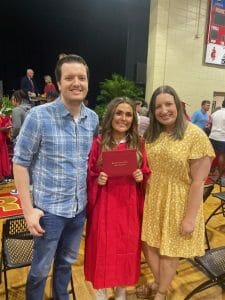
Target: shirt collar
column 83, row 111
column 203, row 111
column 65, row 112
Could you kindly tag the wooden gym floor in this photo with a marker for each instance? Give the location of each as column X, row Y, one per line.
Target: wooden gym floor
column 186, row 280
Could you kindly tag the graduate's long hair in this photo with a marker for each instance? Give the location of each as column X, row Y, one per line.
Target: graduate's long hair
column 155, row 127
column 132, row 136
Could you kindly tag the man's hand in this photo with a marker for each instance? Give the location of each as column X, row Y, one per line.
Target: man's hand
column 33, row 223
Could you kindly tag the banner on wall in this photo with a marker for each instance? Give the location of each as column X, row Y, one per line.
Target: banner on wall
column 215, row 48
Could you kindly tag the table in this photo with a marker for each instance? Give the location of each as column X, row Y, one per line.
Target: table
column 38, row 100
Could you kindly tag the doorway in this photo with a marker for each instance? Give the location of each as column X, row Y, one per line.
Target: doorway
column 218, row 98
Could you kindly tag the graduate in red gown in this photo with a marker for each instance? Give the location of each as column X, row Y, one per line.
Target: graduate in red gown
column 5, row 166
column 115, row 206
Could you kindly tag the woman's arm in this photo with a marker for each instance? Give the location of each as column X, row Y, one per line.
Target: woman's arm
column 199, row 169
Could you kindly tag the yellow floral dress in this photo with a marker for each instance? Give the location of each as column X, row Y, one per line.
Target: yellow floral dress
column 167, row 193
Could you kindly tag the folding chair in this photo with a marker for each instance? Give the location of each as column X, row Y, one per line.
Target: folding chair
column 219, row 180
column 220, row 209
column 17, row 248
column 206, row 193
column 213, row 265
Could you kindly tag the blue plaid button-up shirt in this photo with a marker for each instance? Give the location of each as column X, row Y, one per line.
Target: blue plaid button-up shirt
column 55, row 147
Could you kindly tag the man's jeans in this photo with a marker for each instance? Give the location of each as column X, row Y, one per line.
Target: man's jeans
column 60, row 242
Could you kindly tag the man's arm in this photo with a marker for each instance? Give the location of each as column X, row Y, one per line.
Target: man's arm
column 32, row 215
column 26, row 147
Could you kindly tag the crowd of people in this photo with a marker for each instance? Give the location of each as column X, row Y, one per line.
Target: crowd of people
column 156, row 207
column 10, row 126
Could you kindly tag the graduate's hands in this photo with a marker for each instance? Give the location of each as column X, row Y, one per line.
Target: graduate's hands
column 138, row 175
column 102, row 178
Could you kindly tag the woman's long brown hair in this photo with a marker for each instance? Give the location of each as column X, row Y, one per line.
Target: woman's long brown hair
column 132, row 138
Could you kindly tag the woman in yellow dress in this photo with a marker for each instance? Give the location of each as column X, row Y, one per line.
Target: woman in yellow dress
column 180, row 155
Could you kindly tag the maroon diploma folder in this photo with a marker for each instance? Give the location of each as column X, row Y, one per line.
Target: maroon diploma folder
column 119, row 162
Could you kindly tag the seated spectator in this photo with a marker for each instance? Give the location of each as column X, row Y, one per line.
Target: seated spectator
column 51, row 96
column 49, row 85
column 21, row 107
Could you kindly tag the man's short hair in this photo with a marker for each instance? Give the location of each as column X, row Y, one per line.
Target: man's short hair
column 29, row 70
column 205, row 102
column 70, row 58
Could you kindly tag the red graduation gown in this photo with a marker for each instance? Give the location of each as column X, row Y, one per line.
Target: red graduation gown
column 5, row 167
column 113, row 233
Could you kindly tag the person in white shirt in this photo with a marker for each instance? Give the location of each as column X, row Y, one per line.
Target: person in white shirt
column 217, row 136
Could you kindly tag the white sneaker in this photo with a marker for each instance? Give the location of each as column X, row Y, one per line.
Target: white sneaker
column 101, row 294
column 8, row 180
column 120, row 293
column 14, row 192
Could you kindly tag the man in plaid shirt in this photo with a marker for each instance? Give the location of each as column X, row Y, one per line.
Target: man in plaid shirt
column 52, row 150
